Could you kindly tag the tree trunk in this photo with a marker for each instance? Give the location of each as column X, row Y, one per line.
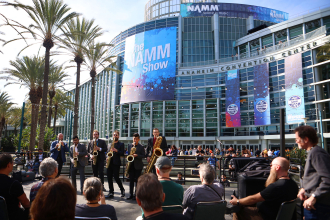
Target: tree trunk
column 92, row 107
column 44, row 99
column 34, row 118
column 2, row 125
column 15, row 131
column 50, row 110
column 76, row 101
column 55, row 115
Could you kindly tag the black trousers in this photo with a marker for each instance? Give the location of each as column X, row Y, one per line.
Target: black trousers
column 98, row 169
column 81, row 173
column 60, row 164
column 113, row 172
column 133, row 177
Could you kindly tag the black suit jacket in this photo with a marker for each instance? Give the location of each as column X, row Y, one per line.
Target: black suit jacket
column 101, row 144
column 150, row 148
column 138, row 164
column 115, row 160
column 82, row 153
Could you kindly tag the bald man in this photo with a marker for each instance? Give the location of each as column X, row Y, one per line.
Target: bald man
column 57, row 152
column 279, row 188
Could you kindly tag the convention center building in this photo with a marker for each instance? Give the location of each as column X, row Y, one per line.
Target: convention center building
column 207, row 71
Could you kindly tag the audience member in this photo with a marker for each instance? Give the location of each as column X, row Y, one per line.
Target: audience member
column 257, row 153
column 55, row 200
column 213, row 161
column 29, row 160
column 174, row 154
column 224, row 181
column 210, row 190
column 200, row 155
column 245, row 152
column 150, row 196
column 186, row 152
column 12, row 191
column 279, row 188
column 315, row 191
column 190, row 151
column 93, row 193
column 179, row 180
column 270, row 153
column 48, row 169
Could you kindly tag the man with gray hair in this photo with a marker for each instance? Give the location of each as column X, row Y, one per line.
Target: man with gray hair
column 210, row 190
column 57, row 150
column 48, row 170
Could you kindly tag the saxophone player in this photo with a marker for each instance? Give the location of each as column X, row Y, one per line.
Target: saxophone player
column 151, row 143
column 115, row 163
column 101, row 148
column 137, row 166
column 78, row 150
column 57, row 150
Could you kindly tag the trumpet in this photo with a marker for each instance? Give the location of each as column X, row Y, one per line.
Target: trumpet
column 110, row 154
column 59, row 144
column 95, row 153
column 75, row 158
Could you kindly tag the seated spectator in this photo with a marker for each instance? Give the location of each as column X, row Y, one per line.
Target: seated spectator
column 224, row 181
column 270, row 153
column 40, row 155
column 29, row 160
column 245, row 152
column 213, row 161
column 257, row 153
column 48, row 170
column 207, row 152
column 190, row 151
column 232, row 166
column 55, row 200
column 186, row 152
column 12, row 190
column 36, row 165
column 150, row 196
column 279, row 188
column 200, row 155
column 210, row 190
column 174, row 154
column 179, row 180
column 93, row 192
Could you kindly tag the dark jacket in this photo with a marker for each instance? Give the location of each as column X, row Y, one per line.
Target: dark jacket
column 138, row 164
column 115, row 160
column 82, row 160
column 54, row 152
column 101, row 144
column 150, row 148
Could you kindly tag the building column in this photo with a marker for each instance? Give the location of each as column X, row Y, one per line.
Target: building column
column 177, row 118
column 288, row 35
column 216, row 35
column 139, row 120
column 190, row 123
column 218, row 116
column 304, row 30
column 121, row 120
column 273, row 37
column 204, row 117
column 260, row 44
column 151, row 108
column 180, row 23
column 238, row 52
column 321, row 22
column 264, row 144
column 163, row 118
column 249, row 50
column 117, row 82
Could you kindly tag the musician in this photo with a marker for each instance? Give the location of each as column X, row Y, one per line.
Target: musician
column 115, row 163
column 78, row 150
column 152, row 141
column 137, row 165
column 101, row 148
column 59, row 155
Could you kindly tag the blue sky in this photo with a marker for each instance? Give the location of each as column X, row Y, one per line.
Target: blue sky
column 114, row 17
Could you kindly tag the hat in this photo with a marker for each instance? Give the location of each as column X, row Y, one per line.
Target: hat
column 162, row 161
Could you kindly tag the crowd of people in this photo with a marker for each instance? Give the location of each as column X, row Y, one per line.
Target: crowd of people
column 55, row 197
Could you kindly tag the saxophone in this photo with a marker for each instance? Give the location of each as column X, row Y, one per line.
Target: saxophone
column 110, row 154
column 75, row 158
column 157, row 152
column 130, row 159
column 59, row 145
column 95, row 153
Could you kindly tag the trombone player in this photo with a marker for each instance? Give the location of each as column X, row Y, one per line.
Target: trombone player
column 118, row 150
column 78, row 150
column 57, row 150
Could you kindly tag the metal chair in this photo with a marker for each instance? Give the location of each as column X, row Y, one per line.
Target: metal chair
column 210, row 210
column 286, row 210
column 3, row 209
column 177, row 209
column 92, row 218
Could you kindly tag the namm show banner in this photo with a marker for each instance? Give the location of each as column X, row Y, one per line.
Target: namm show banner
column 261, row 95
column 149, row 66
column 233, row 113
column 294, row 92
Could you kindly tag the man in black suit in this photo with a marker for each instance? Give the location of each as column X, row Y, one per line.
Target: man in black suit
column 78, row 150
column 115, row 163
column 152, row 141
column 137, row 165
column 101, row 148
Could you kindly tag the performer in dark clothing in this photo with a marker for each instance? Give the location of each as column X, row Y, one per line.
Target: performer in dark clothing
column 57, row 150
column 115, row 163
column 137, row 165
column 101, row 148
column 151, row 143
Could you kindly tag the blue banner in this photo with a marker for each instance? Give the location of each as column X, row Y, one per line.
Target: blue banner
column 232, row 10
column 294, row 91
column 261, row 95
column 149, row 66
column 233, row 110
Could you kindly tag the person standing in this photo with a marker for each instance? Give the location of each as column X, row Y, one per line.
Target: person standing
column 78, row 150
column 152, row 141
column 101, row 148
column 57, row 150
column 315, row 190
column 137, row 165
column 115, row 163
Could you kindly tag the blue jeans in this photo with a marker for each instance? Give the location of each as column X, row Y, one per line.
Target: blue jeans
column 322, row 212
column 173, row 160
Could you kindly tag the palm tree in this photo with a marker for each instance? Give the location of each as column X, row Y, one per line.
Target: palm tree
column 5, row 105
column 28, row 72
column 97, row 56
column 48, row 16
column 323, row 52
column 62, row 102
column 15, row 114
column 77, row 34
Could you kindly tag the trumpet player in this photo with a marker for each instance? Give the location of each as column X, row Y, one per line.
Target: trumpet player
column 115, row 163
column 137, row 166
column 101, row 148
column 78, row 150
column 57, row 150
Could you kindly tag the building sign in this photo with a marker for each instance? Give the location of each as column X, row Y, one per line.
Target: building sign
column 149, row 68
column 233, row 113
column 294, row 91
column 261, row 95
column 232, row 10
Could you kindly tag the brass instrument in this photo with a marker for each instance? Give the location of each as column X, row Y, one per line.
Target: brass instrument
column 157, row 152
column 130, row 159
column 95, row 153
column 75, row 158
column 59, row 145
column 110, row 154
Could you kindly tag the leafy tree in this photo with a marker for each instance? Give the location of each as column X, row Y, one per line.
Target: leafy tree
column 14, row 119
column 5, row 105
column 323, row 52
column 62, row 102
